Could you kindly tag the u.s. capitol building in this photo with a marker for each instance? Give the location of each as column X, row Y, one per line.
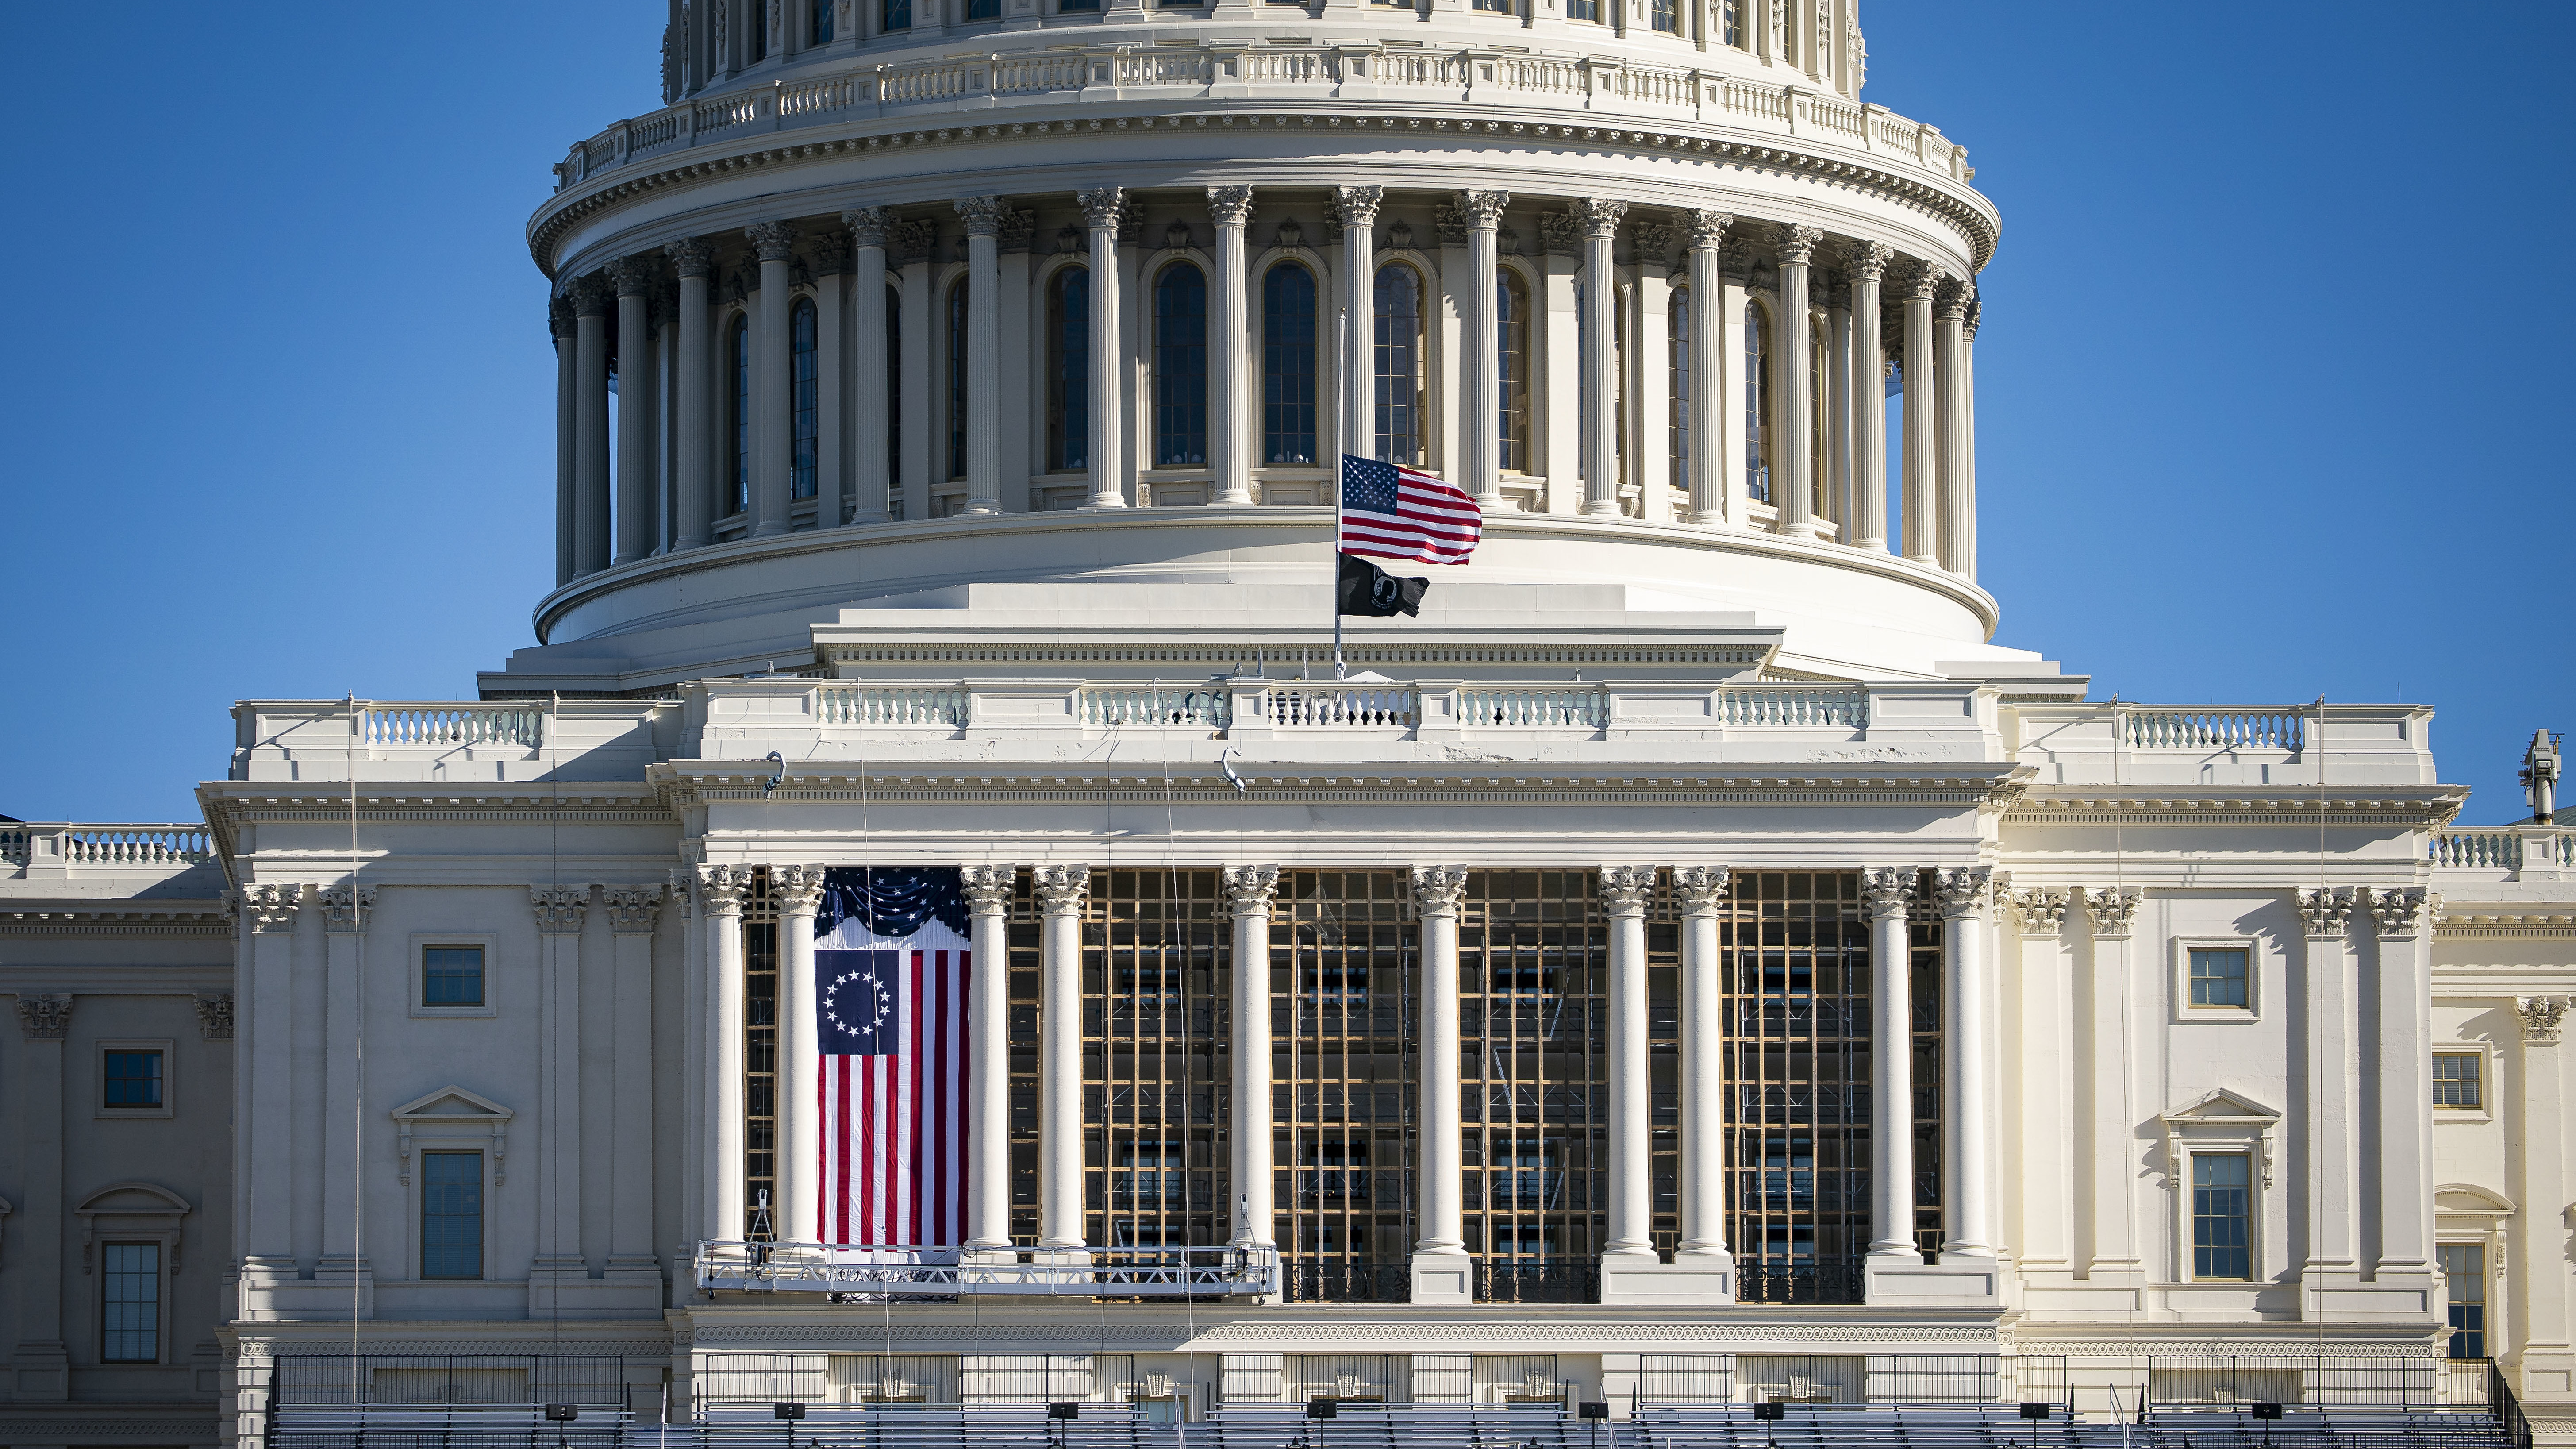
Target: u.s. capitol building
column 1687, row 963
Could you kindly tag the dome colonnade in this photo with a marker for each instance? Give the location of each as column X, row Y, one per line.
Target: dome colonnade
column 895, row 361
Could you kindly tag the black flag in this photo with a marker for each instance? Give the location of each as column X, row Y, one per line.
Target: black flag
column 1367, row 589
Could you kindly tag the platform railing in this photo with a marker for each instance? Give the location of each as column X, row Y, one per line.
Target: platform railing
column 881, row 1270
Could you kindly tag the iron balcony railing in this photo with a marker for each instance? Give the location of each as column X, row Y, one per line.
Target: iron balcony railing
column 917, row 1271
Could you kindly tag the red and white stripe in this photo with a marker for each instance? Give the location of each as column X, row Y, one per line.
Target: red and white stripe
column 1433, row 522
column 894, row 1124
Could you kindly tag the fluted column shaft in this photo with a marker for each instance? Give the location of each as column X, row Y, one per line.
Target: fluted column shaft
column 773, row 394
column 1107, row 442
column 869, row 423
column 1437, row 894
column 1701, row 890
column 1708, row 466
column 1950, row 310
column 1061, row 889
column 632, row 278
column 798, row 890
column 1969, row 1058
column 988, row 890
column 590, row 436
column 1922, row 433
column 983, row 215
column 566, row 333
column 1481, row 422
column 1968, row 441
column 2404, row 921
column 2113, row 1109
column 1891, row 1129
column 1868, row 523
column 1624, row 893
column 720, row 894
column 1600, row 222
column 691, row 480
column 1229, row 329
column 1248, row 892
column 1358, row 205
column 1796, row 494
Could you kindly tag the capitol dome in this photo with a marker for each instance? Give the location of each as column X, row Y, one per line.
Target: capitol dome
column 942, row 314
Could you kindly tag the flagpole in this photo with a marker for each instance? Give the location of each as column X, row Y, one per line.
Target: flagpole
column 1334, row 593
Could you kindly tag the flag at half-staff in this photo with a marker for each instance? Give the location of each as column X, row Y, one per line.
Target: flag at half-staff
column 891, row 965
column 1391, row 511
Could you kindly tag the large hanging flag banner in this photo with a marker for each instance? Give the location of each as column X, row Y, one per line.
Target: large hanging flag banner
column 891, row 962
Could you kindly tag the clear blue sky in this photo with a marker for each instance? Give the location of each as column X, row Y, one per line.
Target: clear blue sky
column 2266, row 378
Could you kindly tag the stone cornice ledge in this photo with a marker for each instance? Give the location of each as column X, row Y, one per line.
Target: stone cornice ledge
column 2420, row 807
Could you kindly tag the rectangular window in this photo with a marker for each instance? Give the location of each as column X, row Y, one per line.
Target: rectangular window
column 2465, row 1265
column 898, row 14
column 2222, row 1215
column 822, row 26
column 2456, row 1080
column 451, row 976
column 451, row 1215
column 134, row 1079
column 983, row 10
column 2218, row 977
column 1665, row 16
column 1583, row 10
column 1498, row 7
column 130, row 1316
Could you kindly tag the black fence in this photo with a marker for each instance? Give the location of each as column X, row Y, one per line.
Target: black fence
column 1346, row 1282
column 1525, row 1282
column 339, row 1380
column 1758, row 1282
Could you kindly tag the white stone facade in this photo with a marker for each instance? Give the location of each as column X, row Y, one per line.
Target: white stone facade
column 1701, row 780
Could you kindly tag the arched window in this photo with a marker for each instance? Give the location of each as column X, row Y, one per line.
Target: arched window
column 1757, row 402
column 1512, row 371
column 822, row 21
column 1180, row 367
column 738, row 486
column 1819, row 399
column 894, row 402
column 1288, row 364
column 1068, row 388
column 807, row 399
column 957, row 379
column 1678, row 370
column 1399, row 364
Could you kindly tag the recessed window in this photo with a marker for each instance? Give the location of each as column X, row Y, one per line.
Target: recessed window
column 1677, row 374
column 1288, row 364
column 1180, row 367
column 2218, row 977
column 451, row 1215
column 822, row 21
column 2465, row 1265
column 130, row 1303
column 133, row 1080
column 451, row 976
column 2222, row 1213
column 1399, row 355
column 808, row 397
column 1511, row 372
column 1757, row 402
column 1069, row 371
column 957, row 330
column 2458, row 1080
column 738, row 487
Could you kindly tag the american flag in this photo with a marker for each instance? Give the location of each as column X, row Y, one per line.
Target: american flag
column 1391, row 511
column 890, row 998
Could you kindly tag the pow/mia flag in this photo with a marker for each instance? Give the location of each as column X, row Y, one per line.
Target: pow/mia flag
column 1367, row 589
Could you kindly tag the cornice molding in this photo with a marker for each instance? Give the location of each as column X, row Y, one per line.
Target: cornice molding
column 229, row 803
column 2417, row 807
column 119, row 918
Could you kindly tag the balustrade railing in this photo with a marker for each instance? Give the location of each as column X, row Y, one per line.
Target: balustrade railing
column 909, row 1270
column 1111, row 705
column 1775, row 708
column 890, row 704
column 1533, row 708
column 2477, row 850
column 2214, row 729
column 1351, row 706
column 441, row 726
column 54, row 844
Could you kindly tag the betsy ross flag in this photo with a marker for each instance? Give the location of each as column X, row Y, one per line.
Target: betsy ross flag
column 1390, row 511
column 891, row 962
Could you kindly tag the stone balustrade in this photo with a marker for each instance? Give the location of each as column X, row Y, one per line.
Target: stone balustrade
column 42, row 848
column 2504, row 852
column 2231, row 745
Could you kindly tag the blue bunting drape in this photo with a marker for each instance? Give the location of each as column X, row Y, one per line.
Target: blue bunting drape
column 891, row 901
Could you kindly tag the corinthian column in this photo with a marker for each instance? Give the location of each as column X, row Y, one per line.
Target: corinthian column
column 1440, row 1250
column 869, row 423
column 694, row 260
column 1229, row 420
column 632, row 278
column 561, row 912
column 1797, row 494
column 773, row 397
column 1061, row 889
column 1868, row 263
column 1950, row 314
column 1625, row 889
column 1701, row 890
column 2111, row 1125
column 1707, row 481
column 798, row 891
column 988, row 890
column 1100, row 211
column 2404, row 919
column 720, row 893
column 1481, row 434
column 1357, row 206
column 1916, row 284
column 2537, row 1122
column 1599, row 220
column 1891, row 1064
column 566, row 333
column 1248, row 892
column 983, row 216
column 1970, row 1059
column 590, row 303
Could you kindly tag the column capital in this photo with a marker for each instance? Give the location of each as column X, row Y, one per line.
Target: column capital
column 1796, row 245
column 2400, row 914
column 2111, row 911
column 560, row 909
column 591, row 295
column 691, row 256
column 2540, row 1018
column 1100, row 207
column 1888, row 890
column 345, row 909
column 982, row 214
column 1249, row 888
column 632, row 274
column 1868, row 261
column 2037, row 912
column 1701, row 889
column 633, row 910
column 1976, row 313
column 1438, row 889
column 798, row 889
column 869, row 225
column 987, row 888
column 1598, row 216
column 215, row 1016
column 1964, row 891
column 1357, row 205
column 1916, row 280
column 1950, row 299
column 1625, row 889
column 1706, row 229
column 559, row 319
column 1230, row 205
column 268, row 908
column 45, row 1015
column 721, row 888
column 771, row 240
column 1061, row 888
column 2327, row 910
column 1483, row 210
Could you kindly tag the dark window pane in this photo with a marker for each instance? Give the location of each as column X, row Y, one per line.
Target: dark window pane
column 451, row 976
column 451, row 1215
column 1399, row 381
column 134, row 1079
column 1288, row 365
column 130, row 1303
column 807, row 400
column 1180, row 367
column 738, row 488
column 1069, row 371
